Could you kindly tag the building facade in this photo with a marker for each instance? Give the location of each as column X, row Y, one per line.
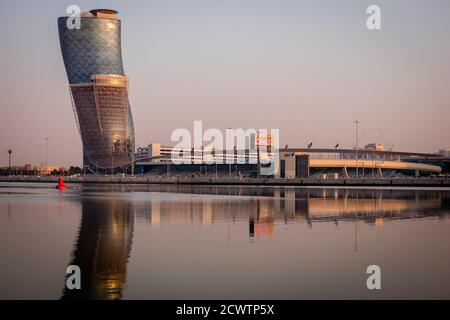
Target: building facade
column 99, row 89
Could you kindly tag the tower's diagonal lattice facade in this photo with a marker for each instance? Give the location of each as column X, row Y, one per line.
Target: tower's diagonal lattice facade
column 99, row 89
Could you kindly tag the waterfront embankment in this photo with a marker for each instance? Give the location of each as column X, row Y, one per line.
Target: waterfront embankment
column 405, row 182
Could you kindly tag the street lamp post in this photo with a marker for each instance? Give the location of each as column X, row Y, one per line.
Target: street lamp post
column 46, row 154
column 258, row 160
column 9, row 156
column 9, row 161
column 356, row 146
column 112, row 160
column 226, row 157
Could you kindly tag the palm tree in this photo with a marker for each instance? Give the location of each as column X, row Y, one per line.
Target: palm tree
column 9, row 154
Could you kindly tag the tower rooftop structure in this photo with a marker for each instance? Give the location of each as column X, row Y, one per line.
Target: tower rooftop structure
column 105, row 13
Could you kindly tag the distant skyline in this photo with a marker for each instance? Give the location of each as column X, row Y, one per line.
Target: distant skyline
column 309, row 68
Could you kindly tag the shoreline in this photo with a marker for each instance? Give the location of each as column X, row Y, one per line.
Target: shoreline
column 366, row 182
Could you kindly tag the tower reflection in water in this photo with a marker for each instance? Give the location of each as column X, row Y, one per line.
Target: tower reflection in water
column 103, row 248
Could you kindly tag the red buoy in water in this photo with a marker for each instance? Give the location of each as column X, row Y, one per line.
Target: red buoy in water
column 61, row 185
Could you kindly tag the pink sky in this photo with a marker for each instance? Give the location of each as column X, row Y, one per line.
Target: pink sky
column 307, row 68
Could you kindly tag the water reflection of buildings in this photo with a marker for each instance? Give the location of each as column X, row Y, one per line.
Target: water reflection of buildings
column 103, row 248
column 105, row 236
column 368, row 205
column 290, row 205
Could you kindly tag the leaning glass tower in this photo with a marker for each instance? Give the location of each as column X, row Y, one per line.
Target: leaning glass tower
column 99, row 89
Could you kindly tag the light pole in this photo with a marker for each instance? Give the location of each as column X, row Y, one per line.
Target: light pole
column 9, row 156
column 228, row 154
column 356, row 146
column 112, row 159
column 46, row 154
column 258, row 160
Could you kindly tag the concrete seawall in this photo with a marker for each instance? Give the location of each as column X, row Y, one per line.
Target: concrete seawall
column 407, row 182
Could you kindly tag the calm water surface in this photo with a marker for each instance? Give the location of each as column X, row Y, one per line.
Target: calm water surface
column 186, row 242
